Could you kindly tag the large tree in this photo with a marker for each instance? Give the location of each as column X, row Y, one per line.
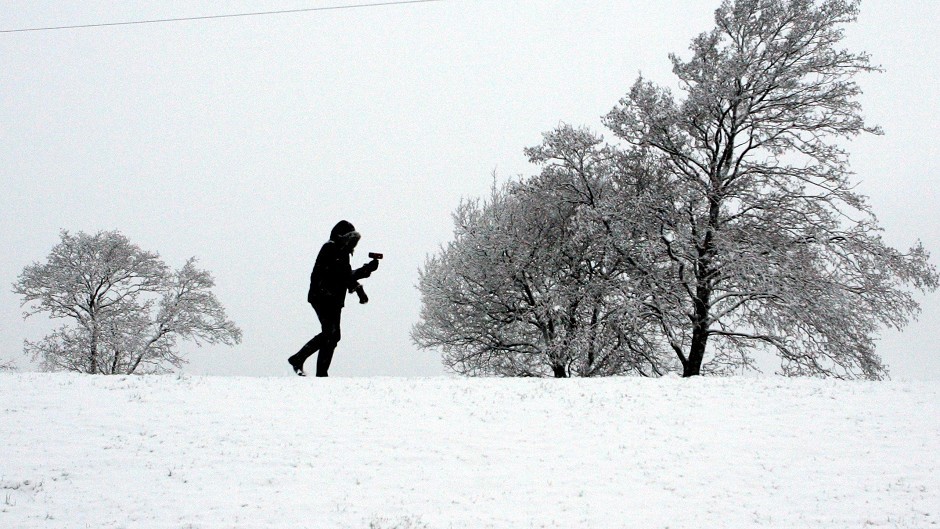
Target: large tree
column 724, row 223
column 761, row 240
column 128, row 309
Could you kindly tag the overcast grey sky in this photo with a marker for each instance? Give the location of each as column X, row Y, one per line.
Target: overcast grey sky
column 243, row 140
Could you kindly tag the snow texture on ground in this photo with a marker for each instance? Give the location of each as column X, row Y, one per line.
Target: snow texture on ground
column 206, row 452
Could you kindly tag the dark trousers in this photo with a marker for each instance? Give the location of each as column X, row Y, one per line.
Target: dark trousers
column 325, row 342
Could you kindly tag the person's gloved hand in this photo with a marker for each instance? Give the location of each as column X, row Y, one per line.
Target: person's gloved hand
column 372, row 265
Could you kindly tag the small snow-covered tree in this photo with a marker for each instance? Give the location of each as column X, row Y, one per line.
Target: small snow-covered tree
column 8, row 365
column 760, row 240
column 128, row 309
column 528, row 287
column 472, row 308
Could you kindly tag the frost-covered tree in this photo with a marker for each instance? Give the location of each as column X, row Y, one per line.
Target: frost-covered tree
column 727, row 223
column 127, row 308
column 528, row 287
column 760, row 240
column 8, row 365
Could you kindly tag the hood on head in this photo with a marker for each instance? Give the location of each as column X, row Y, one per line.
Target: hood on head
column 345, row 234
column 342, row 229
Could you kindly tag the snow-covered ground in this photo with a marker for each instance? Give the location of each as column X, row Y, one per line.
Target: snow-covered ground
column 204, row 452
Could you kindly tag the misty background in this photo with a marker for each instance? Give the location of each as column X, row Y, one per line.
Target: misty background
column 242, row 141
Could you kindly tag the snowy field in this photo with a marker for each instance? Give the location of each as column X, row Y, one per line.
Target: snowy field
column 204, row 452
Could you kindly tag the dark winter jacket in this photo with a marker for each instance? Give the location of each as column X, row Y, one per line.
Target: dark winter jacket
column 332, row 275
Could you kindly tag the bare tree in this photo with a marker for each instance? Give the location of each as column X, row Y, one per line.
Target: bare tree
column 760, row 240
column 8, row 365
column 528, row 287
column 128, row 309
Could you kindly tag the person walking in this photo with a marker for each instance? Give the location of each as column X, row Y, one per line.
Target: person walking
column 332, row 278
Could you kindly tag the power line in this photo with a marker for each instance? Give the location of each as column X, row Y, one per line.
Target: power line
column 207, row 17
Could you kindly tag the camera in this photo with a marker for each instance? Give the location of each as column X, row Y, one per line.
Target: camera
column 357, row 288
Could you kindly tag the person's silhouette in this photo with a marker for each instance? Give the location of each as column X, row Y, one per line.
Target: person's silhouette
column 332, row 278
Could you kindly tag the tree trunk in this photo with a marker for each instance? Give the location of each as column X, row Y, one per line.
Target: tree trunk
column 93, row 351
column 693, row 365
column 559, row 371
column 592, row 343
column 703, row 293
column 704, row 273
